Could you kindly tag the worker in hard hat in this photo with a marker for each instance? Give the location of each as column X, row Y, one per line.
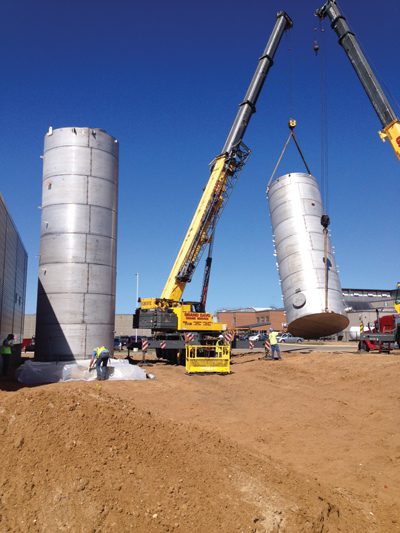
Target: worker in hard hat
column 99, row 359
column 275, row 348
column 6, row 352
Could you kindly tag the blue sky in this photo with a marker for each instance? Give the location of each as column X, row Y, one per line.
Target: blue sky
column 166, row 78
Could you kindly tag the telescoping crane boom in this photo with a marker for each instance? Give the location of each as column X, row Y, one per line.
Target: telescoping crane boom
column 168, row 315
column 390, row 122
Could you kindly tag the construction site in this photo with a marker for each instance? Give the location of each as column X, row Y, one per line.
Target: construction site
column 151, row 409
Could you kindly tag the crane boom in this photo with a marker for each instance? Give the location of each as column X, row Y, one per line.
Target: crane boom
column 247, row 107
column 224, row 171
column 181, row 330
column 390, row 122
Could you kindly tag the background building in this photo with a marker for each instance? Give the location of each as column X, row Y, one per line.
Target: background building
column 13, row 270
column 254, row 318
column 364, row 305
column 123, row 326
column 361, row 304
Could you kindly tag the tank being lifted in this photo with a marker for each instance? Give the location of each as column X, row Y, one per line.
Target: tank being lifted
column 76, row 294
column 313, row 301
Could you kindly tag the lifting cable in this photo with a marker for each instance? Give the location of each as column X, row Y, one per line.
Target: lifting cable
column 292, row 122
column 324, row 219
column 292, row 125
column 324, row 157
column 325, row 224
column 326, row 261
column 288, row 37
column 207, row 271
column 323, row 117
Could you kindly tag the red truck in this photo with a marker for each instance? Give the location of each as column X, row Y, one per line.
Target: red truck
column 384, row 335
column 28, row 345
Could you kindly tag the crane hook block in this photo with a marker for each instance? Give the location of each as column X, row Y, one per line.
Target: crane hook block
column 316, row 47
column 292, row 123
column 325, row 221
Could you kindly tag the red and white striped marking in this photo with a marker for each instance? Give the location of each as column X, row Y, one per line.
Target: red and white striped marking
column 251, row 345
column 228, row 336
column 163, row 345
column 189, row 337
column 145, row 345
column 267, row 345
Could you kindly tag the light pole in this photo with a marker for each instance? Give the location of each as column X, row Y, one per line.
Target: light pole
column 137, row 298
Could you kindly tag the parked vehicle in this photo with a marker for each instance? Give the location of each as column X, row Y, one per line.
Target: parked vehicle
column 28, row 345
column 288, row 337
column 260, row 336
column 124, row 340
column 117, row 343
column 134, row 342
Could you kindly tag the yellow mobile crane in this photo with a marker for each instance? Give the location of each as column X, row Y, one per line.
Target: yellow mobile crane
column 169, row 317
column 390, row 122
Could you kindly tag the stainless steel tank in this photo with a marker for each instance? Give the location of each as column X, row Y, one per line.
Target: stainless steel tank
column 313, row 307
column 77, row 267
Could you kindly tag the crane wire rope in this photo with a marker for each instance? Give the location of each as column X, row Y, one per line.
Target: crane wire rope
column 288, row 37
column 324, row 154
column 324, row 146
column 291, row 122
column 292, row 125
column 207, row 270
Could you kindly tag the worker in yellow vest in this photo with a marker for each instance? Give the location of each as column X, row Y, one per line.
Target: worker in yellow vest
column 6, row 352
column 274, row 344
column 99, row 359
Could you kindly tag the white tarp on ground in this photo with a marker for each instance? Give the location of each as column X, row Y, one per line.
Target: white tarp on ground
column 36, row 373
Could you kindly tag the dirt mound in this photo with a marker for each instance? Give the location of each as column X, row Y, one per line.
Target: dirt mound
column 75, row 458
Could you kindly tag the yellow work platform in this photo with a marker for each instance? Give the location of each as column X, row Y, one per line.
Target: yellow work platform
column 208, row 358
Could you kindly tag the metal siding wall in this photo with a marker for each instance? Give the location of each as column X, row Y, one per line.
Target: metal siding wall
column 10, row 264
column 20, row 282
column 3, row 232
column 13, row 270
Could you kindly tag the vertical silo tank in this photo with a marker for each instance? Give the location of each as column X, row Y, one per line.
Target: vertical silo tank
column 77, row 267
column 313, row 308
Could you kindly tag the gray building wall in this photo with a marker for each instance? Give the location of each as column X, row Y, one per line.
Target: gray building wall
column 13, row 271
column 29, row 326
column 123, row 325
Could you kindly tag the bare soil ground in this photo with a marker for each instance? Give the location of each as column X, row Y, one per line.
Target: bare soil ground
column 307, row 444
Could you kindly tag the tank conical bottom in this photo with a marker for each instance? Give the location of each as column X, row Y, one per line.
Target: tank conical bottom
column 318, row 325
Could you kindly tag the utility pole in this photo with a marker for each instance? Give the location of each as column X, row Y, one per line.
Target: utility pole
column 137, row 298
